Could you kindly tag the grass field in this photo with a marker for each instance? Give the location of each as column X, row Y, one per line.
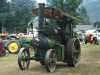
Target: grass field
column 89, row 64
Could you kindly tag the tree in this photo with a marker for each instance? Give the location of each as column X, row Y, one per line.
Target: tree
column 3, row 6
column 20, row 14
column 56, row 3
column 97, row 24
column 4, row 11
column 84, row 16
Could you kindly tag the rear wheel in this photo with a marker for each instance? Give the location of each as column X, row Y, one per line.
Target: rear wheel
column 73, row 50
column 24, row 58
column 50, row 60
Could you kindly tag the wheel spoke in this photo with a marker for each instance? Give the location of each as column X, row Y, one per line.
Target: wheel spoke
column 23, row 63
column 51, row 61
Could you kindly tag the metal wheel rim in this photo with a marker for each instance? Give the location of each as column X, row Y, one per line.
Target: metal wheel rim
column 52, row 62
column 76, row 52
column 25, row 60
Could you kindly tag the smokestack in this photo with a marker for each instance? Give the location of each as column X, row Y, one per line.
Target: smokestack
column 41, row 14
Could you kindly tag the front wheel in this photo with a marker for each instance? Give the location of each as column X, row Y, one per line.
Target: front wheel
column 24, row 58
column 50, row 60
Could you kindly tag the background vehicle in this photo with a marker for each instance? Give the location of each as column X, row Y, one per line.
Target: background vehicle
column 96, row 34
column 2, row 49
column 93, row 36
column 10, row 43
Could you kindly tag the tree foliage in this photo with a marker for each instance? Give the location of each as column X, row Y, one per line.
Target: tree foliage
column 18, row 14
column 4, row 9
column 97, row 24
column 84, row 16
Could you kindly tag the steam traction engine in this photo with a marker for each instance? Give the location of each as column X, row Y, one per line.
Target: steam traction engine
column 55, row 40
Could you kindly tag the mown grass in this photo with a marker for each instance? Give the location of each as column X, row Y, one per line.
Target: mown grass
column 89, row 63
column 9, row 58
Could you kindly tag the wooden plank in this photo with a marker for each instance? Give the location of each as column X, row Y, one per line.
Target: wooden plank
column 55, row 13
